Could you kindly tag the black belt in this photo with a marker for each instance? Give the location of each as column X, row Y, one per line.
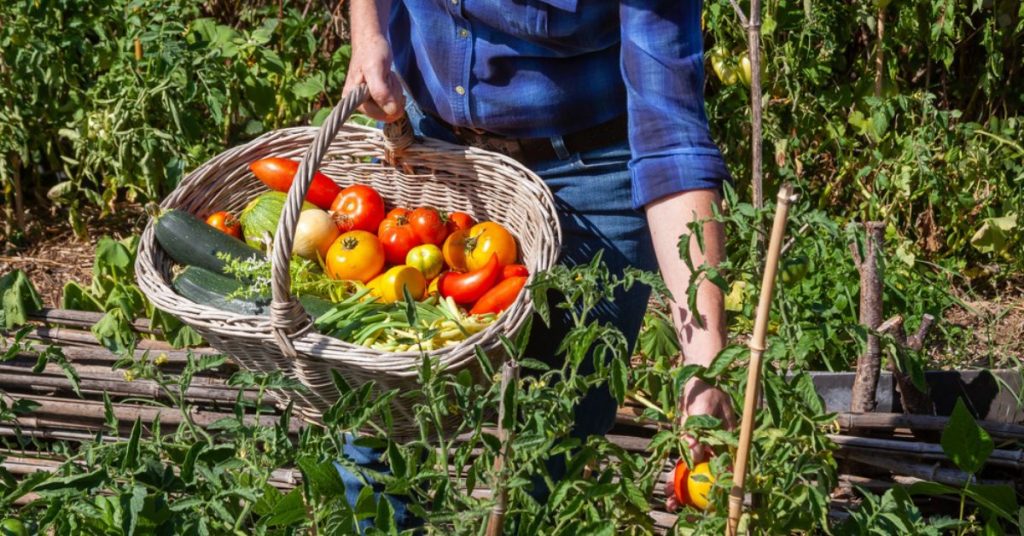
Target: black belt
column 533, row 150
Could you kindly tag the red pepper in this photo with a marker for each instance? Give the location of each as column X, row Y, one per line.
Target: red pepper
column 470, row 286
column 500, row 297
column 514, row 270
column 277, row 174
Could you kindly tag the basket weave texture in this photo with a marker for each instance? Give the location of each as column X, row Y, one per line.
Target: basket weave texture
column 406, row 172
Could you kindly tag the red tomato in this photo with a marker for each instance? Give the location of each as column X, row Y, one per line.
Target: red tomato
column 277, row 174
column 680, row 477
column 470, row 286
column 397, row 236
column 500, row 297
column 226, row 223
column 428, row 225
column 514, row 270
column 458, row 221
column 358, row 208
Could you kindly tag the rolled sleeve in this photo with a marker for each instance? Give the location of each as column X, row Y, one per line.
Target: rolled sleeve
column 662, row 66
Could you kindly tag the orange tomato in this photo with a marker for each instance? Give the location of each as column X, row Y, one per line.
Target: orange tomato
column 680, row 477
column 489, row 238
column 699, row 488
column 355, row 255
column 454, row 250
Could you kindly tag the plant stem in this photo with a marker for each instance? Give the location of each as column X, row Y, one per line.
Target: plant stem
column 880, row 52
column 754, row 46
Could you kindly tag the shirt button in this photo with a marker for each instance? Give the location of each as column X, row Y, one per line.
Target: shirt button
column 455, row 2
column 460, row 90
column 463, row 33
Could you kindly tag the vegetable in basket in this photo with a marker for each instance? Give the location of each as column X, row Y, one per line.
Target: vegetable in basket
column 397, row 235
column 468, row 287
column 260, row 217
column 358, row 208
column 226, row 223
column 356, row 256
column 277, row 174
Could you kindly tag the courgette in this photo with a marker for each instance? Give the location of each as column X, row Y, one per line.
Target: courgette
column 208, row 288
column 190, row 241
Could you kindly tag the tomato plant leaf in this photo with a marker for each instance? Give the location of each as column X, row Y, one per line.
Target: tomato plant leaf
column 131, row 452
column 966, row 443
column 18, row 299
column 288, row 510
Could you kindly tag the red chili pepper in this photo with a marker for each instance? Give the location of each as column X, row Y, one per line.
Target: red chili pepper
column 514, row 270
column 470, row 286
column 277, row 174
column 500, row 297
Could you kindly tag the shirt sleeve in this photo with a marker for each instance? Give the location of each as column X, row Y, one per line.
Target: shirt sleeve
column 662, row 66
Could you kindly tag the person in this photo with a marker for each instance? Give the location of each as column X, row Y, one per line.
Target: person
column 604, row 101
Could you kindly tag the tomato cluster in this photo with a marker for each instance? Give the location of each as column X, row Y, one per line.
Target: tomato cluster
column 423, row 250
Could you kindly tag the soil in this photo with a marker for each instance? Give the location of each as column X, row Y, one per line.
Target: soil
column 53, row 255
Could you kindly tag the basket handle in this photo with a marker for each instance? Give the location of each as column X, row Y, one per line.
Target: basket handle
column 287, row 316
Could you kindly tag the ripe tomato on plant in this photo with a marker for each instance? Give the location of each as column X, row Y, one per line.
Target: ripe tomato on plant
column 698, row 485
column 278, row 173
column 226, row 223
column 397, row 236
column 458, row 221
column 356, row 256
column 358, row 208
column 489, row 238
column 428, row 225
column 679, row 479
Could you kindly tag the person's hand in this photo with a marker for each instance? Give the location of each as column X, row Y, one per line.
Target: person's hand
column 371, row 63
column 700, row 398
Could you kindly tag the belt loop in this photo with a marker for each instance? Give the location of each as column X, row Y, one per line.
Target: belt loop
column 558, row 144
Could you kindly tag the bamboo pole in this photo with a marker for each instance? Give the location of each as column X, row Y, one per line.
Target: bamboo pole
column 891, row 421
column 757, row 347
column 931, row 472
column 886, row 447
column 83, row 319
column 496, row 521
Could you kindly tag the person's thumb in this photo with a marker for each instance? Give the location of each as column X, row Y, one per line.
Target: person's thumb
column 386, row 92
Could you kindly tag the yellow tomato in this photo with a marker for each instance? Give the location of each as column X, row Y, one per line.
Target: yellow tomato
column 388, row 287
column 432, row 287
column 486, row 239
column 427, row 259
column 356, row 256
column 698, row 485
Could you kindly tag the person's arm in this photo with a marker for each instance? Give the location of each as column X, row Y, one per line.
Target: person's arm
column 677, row 172
column 371, row 60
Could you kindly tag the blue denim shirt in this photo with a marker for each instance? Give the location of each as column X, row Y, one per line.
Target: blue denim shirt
column 540, row 68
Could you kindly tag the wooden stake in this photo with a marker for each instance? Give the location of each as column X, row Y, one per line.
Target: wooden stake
column 496, row 522
column 757, row 347
column 869, row 365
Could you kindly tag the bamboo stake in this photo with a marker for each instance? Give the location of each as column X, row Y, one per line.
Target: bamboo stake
column 496, row 522
column 885, row 447
column 83, row 319
column 757, row 347
column 931, row 472
column 890, row 421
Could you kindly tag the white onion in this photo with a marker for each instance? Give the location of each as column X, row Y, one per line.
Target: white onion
column 314, row 233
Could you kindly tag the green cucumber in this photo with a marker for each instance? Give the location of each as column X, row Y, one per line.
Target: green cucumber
column 190, row 241
column 208, row 288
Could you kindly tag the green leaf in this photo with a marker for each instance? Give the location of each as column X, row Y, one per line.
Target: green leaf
column 309, row 87
column 18, row 299
column 75, row 296
column 131, row 453
column 131, row 507
column 290, row 509
column 966, row 443
column 994, row 234
column 83, row 482
column 617, row 381
column 322, row 476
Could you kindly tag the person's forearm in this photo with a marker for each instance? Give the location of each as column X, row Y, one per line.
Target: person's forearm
column 668, row 219
column 368, row 20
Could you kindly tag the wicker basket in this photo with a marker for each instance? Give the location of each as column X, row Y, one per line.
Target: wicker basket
column 406, row 172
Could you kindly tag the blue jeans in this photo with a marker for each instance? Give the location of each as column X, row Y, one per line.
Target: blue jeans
column 593, row 196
